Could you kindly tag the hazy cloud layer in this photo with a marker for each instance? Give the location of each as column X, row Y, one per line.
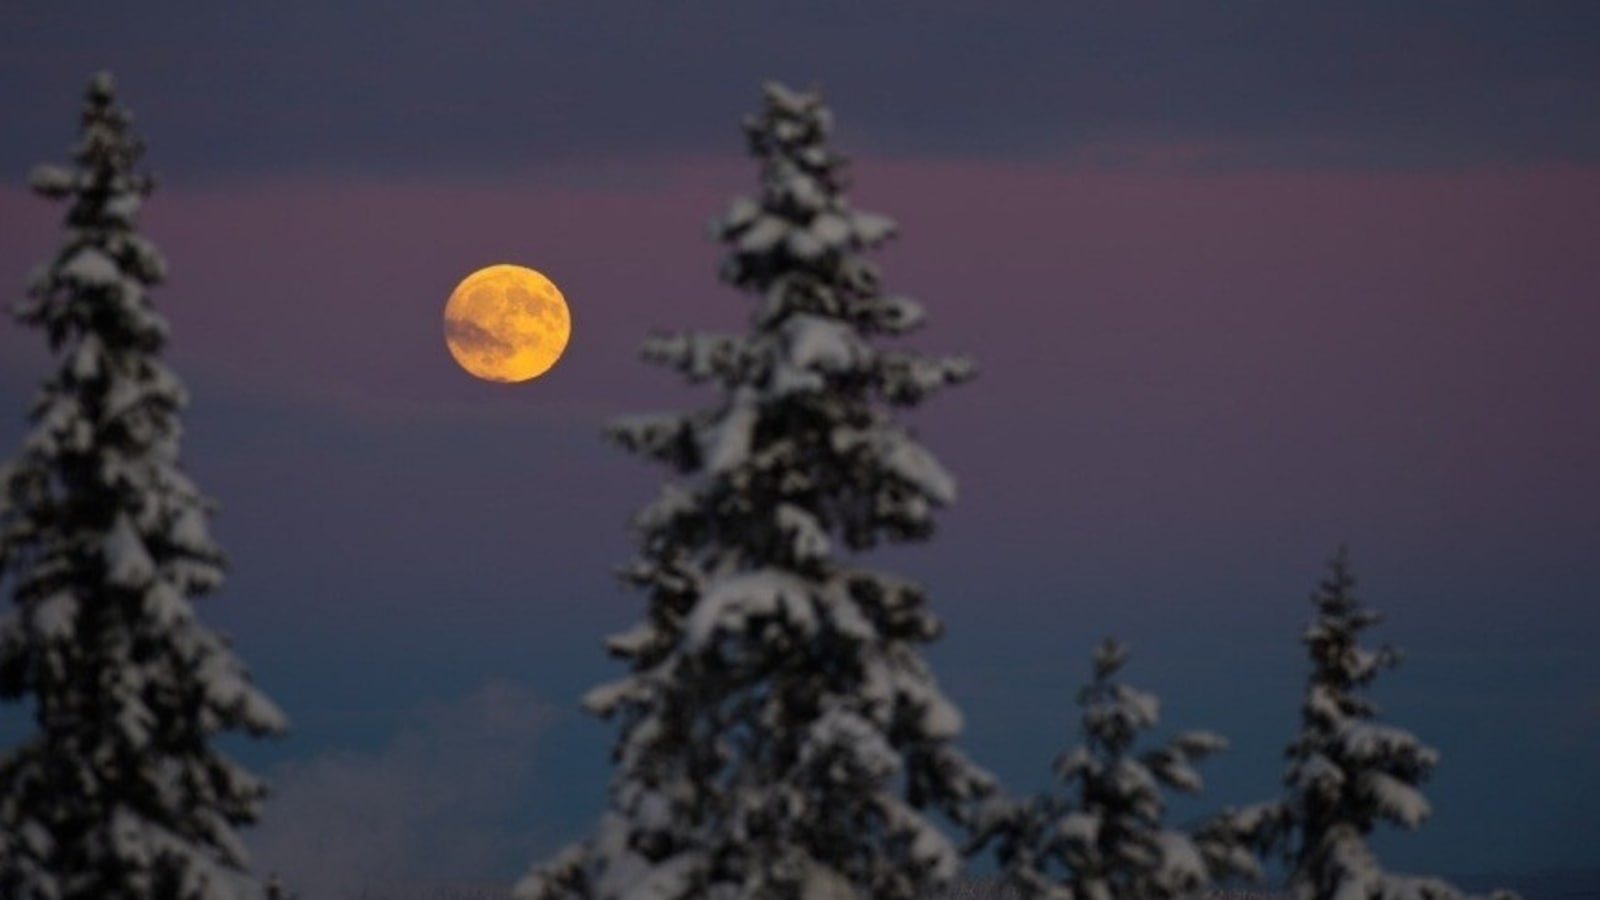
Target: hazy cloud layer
column 358, row 88
column 437, row 803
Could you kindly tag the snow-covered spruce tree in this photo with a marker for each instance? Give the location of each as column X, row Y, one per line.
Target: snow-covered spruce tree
column 1346, row 771
column 276, row 891
column 781, row 736
column 1103, row 837
column 104, row 543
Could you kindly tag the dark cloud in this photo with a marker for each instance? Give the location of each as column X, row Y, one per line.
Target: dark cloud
column 476, row 91
column 479, row 339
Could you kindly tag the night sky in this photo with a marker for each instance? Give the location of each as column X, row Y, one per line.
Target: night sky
column 1243, row 281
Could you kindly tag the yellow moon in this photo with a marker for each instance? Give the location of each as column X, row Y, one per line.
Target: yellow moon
column 506, row 323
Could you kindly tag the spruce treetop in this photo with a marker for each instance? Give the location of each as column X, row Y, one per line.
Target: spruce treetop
column 1103, row 837
column 104, row 543
column 1341, row 667
column 1347, row 771
column 801, row 431
column 781, row 735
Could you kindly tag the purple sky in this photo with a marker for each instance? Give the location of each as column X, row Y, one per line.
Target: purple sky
column 1242, row 282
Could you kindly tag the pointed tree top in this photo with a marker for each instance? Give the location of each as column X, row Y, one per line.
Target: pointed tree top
column 790, row 135
column 108, row 148
column 103, row 86
column 1339, row 580
column 1109, row 656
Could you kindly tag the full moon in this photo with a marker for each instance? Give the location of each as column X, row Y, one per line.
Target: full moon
column 506, row 323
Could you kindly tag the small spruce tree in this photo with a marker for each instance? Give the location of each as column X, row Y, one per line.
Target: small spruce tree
column 105, row 544
column 1103, row 837
column 781, row 735
column 276, row 891
column 1347, row 772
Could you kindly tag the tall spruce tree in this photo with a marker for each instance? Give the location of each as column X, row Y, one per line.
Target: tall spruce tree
column 1347, row 772
column 1103, row 837
column 105, row 544
column 781, row 736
